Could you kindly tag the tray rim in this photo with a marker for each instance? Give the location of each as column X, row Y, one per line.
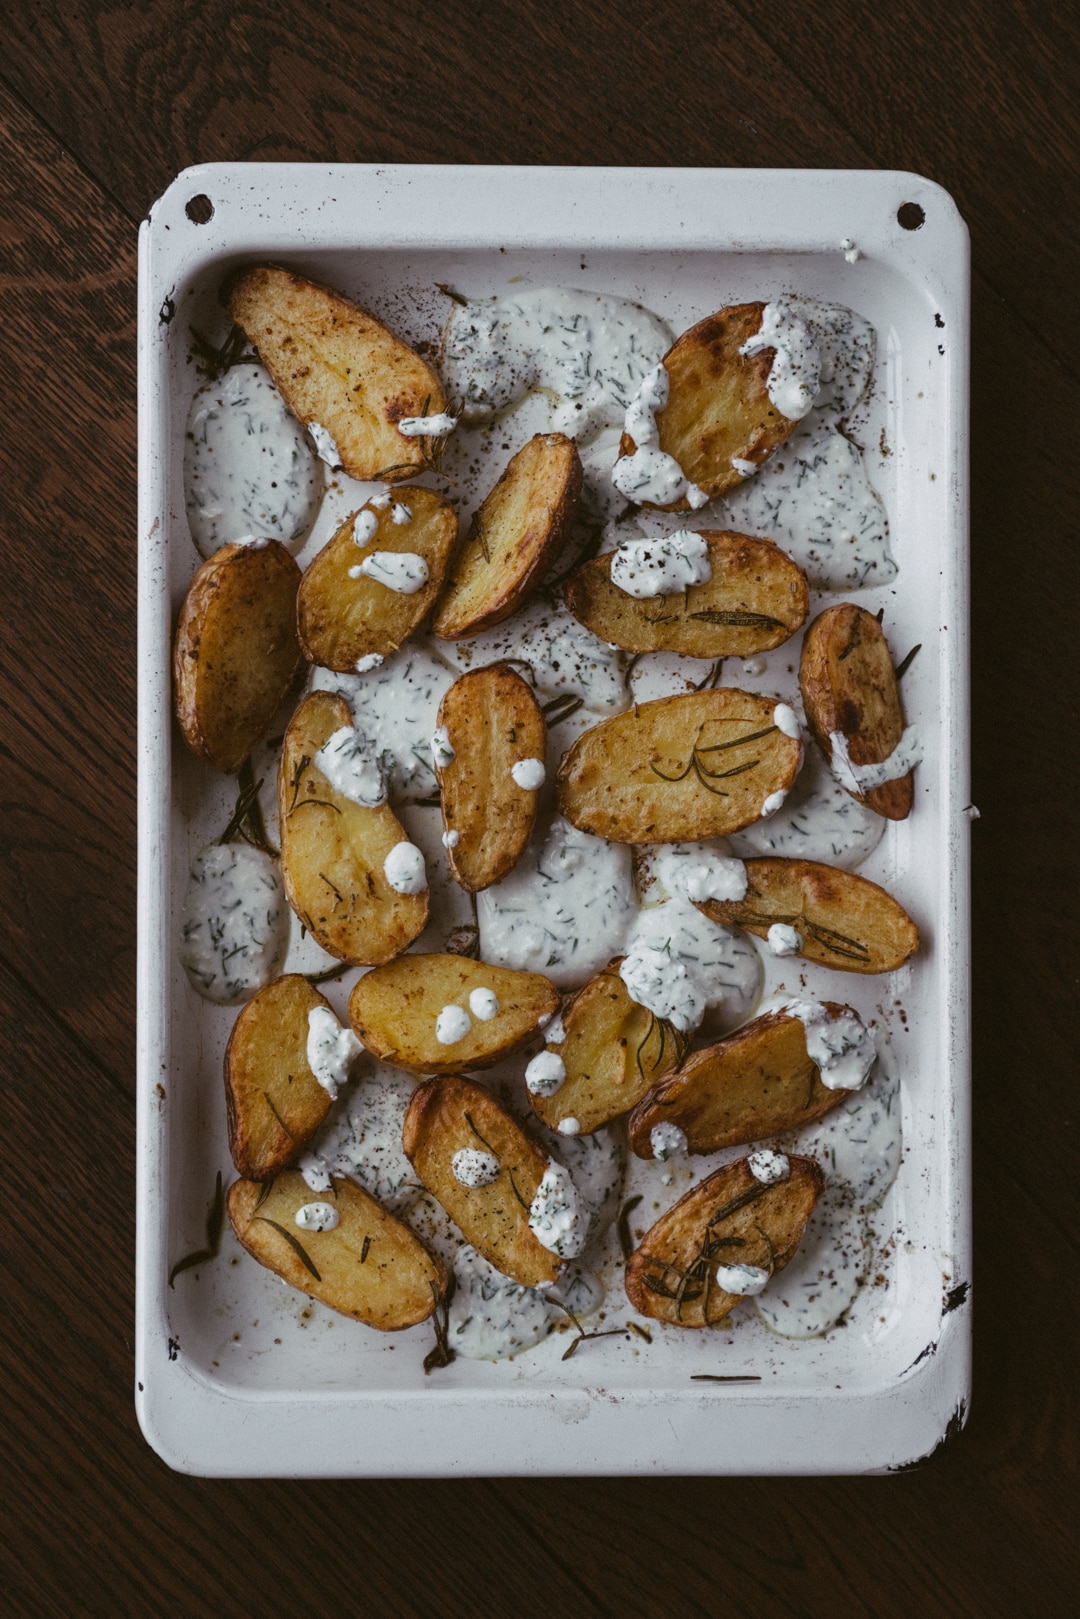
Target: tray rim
column 209, row 1429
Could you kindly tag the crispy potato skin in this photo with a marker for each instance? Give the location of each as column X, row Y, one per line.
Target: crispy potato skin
column 494, row 1218
column 393, row 1009
column 340, row 619
column 333, row 850
column 236, row 652
column 845, row 920
column 848, row 684
column 514, row 534
column 756, row 1082
column 718, row 403
column 493, row 721
column 394, row 1283
column 751, row 580
column 776, row 1215
column 335, row 364
column 612, row 781
column 613, row 1051
column 275, row 1104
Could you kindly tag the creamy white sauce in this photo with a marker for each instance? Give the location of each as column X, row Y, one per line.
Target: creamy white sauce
column 661, row 566
column 564, row 909
column 864, row 778
column 452, row 1024
column 650, row 475
column 597, row 1164
column 492, row 1317
column 365, row 528
column 437, row 426
column 697, row 872
column 545, row 1073
column 248, row 468
column 405, row 870
column 589, row 349
column 451, row 839
column 473, row 1168
column 331, row 1049
column 746, row 1280
column 529, row 774
column 443, row 751
column 851, row 253
column 325, row 447
column 569, row 1127
column 396, row 706
column 774, row 802
column 787, row 721
column 484, row 1004
column 783, row 940
column 403, row 572
column 235, row 924
column 818, row 821
column 842, row 1046
column 702, row 966
column 744, row 468
column 370, row 660
column 667, row 1140
column 795, row 374
column 354, row 767
column 401, row 514
column 556, row 1217
column 362, row 1138
column 554, row 1029
column 768, row 1166
column 317, row 1217
column 315, row 1173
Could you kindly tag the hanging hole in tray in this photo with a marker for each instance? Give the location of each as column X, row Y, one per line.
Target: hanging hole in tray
column 910, row 216
column 200, row 210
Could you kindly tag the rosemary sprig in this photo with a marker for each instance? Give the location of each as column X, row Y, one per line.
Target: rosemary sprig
column 582, row 1336
column 454, row 297
column 480, row 537
column 215, row 1224
column 905, row 663
column 265, row 1189
column 513, row 1185
column 479, row 1137
column 710, row 681
column 294, row 1243
column 558, row 709
column 212, row 360
column 364, row 1250
column 622, row 1225
column 738, row 741
column 837, row 943
column 712, row 1377
column 442, row 1354
column 306, row 803
column 639, row 1330
column 739, row 619
column 302, row 764
column 247, row 818
column 328, row 973
column 853, row 639
column 270, row 1104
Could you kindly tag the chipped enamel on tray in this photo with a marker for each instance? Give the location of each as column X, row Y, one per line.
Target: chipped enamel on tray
column 237, row 1375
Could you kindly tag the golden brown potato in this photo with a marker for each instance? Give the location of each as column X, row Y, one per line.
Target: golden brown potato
column 493, row 722
column 843, row 920
column 274, row 1101
column 848, row 685
column 370, row 1266
column 236, row 652
column 333, row 850
column 728, row 1219
column 336, row 365
column 754, row 1083
column 718, row 405
column 756, row 599
column 613, row 1051
column 513, row 535
column 342, row 619
column 395, row 1009
column 690, row 767
column 444, row 1117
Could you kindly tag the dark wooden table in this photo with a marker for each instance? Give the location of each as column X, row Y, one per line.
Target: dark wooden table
column 101, row 104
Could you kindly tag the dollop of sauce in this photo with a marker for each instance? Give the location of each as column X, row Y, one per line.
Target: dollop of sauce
column 484, row 1004
column 401, row 514
column 662, row 984
column 452, row 1024
column 545, row 1073
column 569, row 1127
column 864, row 778
column 405, row 870
column 331, row 1049
column 666, row 1140
column 818, row 821
column 774, row 802
column 248, row 468
column 325, row 447
column 370, row 660
column 471, row 1167
column 661, row 567
column 783, row 940
column 529, row 774
column 651, row 476
column 396, row 706
column 437, row 426
column 317, row 1217
column 589, row 349
column 694, row 871
column 720, row 970
column 235, row 924
column 315, row 1173
column 354, row 767
column 786, row 720
column 842, row 1046
column 403, row 572
column 744, row 1279
column 768, row 1166
column 555, row 1215
column 795, row 374
column 365, row 528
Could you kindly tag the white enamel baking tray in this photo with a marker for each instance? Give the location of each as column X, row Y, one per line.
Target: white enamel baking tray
column 238, row 1376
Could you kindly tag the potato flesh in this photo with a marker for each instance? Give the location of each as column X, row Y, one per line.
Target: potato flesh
column 844, row 920
column 718, row 405
column 275, row 1103
column 370, row 1267
column 336, row 365
column 614, row 1051
column 678, row 769
column 394, row 1011
column 333, row 850
column 848, row 685
column 236, row 652
column 672, row 1275
column 516, row 531
column 493, row 722
column 756, row 1082
column 756, row 599
column 443, row 1117
column 341, row 620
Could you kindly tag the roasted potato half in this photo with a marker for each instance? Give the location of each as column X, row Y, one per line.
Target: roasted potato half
column 337, row 366
column 275, row 1103
column 370, row 1266
column 756, row 599
column 848, row 685
column 493, row 722
column 756, row 1082
column 342, row 619
column 395, row 1010
column 843, row 920
column 444, row 1117
column 679, row 768
column 718, row 405
column 333, row 850
column 728, row 1219
column 236, row 652
column 514, row 534
column 612, row 1049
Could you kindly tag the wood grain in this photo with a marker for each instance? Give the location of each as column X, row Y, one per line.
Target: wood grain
column 100, row 104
